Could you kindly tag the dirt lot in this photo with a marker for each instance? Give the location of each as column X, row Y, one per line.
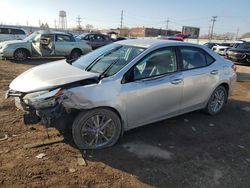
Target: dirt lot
column 192, row 150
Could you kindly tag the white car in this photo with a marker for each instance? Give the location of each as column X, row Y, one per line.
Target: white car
column 9, row 33
column 222, row 48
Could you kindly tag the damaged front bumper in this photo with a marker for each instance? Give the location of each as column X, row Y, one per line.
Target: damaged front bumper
column 42, row 106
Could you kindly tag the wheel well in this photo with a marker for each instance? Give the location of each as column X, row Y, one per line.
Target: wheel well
column 112, row 109
column 26, row 50
column 77, row 49
column 226, row 86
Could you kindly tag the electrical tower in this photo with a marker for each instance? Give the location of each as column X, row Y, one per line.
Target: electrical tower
column 212, row 29
column 79, row 20
column 62, row 20
column 121, row 23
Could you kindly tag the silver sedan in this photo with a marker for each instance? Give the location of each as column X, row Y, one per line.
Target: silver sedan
column 124, row 85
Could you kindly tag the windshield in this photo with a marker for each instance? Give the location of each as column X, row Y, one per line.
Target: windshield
column 109, row 59
column 30, row 37
column 244, row 46
column 81, row 35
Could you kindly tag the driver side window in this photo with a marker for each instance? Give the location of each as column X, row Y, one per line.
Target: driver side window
column 157, row 63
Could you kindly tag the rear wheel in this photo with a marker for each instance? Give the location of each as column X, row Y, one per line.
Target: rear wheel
column 217, row 101
column 75, row 54
column 96, row 129
column 20, row 55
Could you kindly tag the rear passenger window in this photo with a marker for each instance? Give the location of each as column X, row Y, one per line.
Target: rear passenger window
column 4, row 31
column 194, row 58
column 209, row 59
column 17, row 32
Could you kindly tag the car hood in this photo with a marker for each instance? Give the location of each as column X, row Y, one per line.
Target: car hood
column 239, row 50
column 12, row 42
column 48, row 76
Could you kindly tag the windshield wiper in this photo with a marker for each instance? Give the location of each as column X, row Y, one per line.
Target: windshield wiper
column 103, row 74
column 89, row 67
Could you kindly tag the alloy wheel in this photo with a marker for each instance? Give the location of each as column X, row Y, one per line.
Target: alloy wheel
column 218, row 100
column 98, row 130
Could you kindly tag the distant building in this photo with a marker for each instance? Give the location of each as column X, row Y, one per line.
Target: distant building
column 150, row 32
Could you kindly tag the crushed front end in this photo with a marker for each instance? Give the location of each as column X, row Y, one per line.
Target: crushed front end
column 42, row 106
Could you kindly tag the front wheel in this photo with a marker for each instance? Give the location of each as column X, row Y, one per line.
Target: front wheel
column 20, row 55
column 75, row 54
column 96, row 129
column 216, row 101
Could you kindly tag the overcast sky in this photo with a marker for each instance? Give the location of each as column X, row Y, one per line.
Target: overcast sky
column 232, row 14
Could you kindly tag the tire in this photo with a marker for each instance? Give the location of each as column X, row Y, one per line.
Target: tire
column 216, row 101
column 75, row 54
column 20, row 55
column 90, row 133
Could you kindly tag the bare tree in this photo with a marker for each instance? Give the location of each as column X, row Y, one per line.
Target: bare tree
column 245, row 35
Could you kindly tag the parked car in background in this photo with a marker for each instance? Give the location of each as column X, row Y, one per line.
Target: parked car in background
column 210, row 45
column 10, row 33
column 124, row 85
column 240, row 53
column 44, row 44
column 95, row 40
column 221, row 48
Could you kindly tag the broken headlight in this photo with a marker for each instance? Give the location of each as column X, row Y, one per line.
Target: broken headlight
column 43, row 99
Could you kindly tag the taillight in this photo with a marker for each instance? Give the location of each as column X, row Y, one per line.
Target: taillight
column 234, row 67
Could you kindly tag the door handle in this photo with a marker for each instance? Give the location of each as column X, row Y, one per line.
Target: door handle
column 176, row 81
column 214, row 72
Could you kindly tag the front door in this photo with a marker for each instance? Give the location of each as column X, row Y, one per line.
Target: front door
column 155, row 91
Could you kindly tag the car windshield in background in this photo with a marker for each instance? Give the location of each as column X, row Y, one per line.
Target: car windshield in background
column 244, row 46
column 81, row 36
column 30, row 37
column 109, row 59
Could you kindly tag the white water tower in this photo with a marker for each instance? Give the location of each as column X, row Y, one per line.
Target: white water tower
column 62, row 20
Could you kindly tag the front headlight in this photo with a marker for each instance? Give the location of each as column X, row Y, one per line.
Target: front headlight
column 4, row 46
column 43, row 99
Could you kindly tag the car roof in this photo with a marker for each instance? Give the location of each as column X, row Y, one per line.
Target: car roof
column 6, row 27
column 52, row 32
column 148, row 43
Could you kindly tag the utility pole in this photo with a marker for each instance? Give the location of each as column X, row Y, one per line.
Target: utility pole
column 167, row 22
column 79, row 20
column 212, row 29
column 209, row 30
column 39, row 22
column 55, row 24
column 237, row 34
column 121, row 23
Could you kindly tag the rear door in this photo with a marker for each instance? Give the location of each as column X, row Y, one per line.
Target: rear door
column 156, row 89
column 200, row 77
column 64, row 44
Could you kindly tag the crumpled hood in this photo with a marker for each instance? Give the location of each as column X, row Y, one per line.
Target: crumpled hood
column 49, row 75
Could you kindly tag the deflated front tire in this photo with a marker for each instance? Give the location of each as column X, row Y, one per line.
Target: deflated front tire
column 96, row 129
